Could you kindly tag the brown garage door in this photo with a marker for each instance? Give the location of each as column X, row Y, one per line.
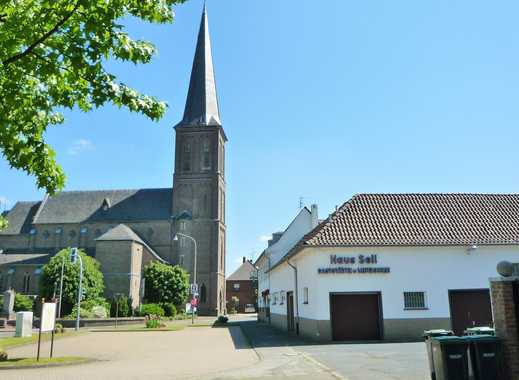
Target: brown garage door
column 470, row 308
column 355, row 316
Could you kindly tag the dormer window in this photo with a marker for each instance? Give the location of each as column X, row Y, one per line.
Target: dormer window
column 106, row 204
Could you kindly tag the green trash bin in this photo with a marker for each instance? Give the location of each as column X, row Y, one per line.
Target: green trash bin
column 483, row 330
column 428, row 335
column 486, row 357
column 450, row 355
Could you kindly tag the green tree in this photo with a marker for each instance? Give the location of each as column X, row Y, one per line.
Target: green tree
column 3, row 223
column 166, row 283
column 53, row 55
column 93, row 284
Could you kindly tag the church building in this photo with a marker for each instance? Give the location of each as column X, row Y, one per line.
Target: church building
column 126, row 229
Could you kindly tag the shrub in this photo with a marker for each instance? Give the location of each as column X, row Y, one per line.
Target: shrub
column 22, row 303
column 125, row 307
column 152, row 323
column 152, row 309
column 58, row 328
column 166, row 283
column 169, row 309
column 3, row 356
column 233, row 305
column 91, row 309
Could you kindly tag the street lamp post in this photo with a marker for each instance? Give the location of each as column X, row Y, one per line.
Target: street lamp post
column 75, row 256
column 194, row 267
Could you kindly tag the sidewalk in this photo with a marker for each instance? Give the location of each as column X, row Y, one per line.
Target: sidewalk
column 278, row 360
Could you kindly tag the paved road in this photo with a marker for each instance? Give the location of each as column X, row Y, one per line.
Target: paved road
column 379, row 361
column 189, row 353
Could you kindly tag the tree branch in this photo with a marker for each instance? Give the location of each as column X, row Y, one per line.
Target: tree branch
column 31, row 47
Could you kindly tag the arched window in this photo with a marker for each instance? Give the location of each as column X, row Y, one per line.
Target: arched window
column 186, row 157
column 206, row 155
column 203, row 293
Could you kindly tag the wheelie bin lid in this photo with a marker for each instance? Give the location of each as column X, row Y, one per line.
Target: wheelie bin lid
column 437, row 332
column 444, row 340
column 482, row 338
column 482, row 330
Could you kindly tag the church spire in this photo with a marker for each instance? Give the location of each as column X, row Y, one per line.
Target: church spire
column 202, row 102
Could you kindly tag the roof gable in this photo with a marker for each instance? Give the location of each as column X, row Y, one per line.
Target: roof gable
column 243, row 273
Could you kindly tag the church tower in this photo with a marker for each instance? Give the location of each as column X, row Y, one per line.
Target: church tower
column 199, row 181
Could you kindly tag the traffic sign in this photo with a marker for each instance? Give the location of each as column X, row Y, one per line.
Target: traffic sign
column 193, row 288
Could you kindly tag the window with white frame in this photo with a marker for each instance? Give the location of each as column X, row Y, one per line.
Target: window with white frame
column 305, row 295
column 414, row 300
column 236, row 286
column 181, row 260
column 274, row 299
column 282, row 298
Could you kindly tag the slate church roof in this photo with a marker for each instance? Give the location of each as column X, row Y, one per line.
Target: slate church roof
column 87, row 206
column 20, row 218
column 202, row 101
column 421, row 219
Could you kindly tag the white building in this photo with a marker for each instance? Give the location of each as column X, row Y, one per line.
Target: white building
column 391, row 266
column 279, row 246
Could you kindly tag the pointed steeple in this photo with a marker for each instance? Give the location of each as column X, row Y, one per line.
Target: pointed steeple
column 202, row 102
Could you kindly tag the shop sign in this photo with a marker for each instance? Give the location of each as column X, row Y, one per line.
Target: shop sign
column 362, row 264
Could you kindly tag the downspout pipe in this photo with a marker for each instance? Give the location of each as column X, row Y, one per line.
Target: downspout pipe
column 296, row 292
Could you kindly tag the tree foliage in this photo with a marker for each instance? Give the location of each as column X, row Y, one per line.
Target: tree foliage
column 53, row 56
column 3, row 223
column 93, row 284
column 166, row 283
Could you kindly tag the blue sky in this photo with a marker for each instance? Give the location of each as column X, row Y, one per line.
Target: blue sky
column 320, row 100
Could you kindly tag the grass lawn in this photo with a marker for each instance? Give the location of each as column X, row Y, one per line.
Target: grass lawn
column 44, row 362
column 15, row 342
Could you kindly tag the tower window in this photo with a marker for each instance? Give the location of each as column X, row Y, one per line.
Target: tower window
column 206, row 155
column 181, row 260
column 186, row 158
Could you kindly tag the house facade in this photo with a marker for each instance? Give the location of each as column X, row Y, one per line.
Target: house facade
column 389, row 266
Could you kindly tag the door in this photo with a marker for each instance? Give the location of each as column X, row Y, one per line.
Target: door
column 470, row 308
column 290, row 311
column 355, row 316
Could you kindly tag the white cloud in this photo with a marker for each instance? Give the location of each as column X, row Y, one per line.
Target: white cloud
column 80, row 146
column 264, row 238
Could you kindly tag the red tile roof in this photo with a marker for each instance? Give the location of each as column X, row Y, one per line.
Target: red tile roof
column 420, row 219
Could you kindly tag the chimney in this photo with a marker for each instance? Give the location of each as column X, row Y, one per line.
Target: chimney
column 315, row 215
column 275, row 237
column 244, row 259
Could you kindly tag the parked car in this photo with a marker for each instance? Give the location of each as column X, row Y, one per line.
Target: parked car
column 249, row 308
